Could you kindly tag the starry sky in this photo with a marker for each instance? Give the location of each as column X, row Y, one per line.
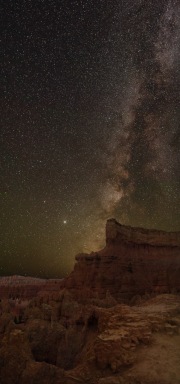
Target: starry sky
column 89, row 126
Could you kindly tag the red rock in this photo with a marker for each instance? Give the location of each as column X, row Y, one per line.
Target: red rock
column 135, row 261
column 28, row 287
column 78, row 331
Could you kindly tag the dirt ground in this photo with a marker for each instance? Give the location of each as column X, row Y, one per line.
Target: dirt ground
column 159, row 362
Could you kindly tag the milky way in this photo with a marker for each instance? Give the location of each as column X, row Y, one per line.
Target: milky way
column 90, row 126
column 144, row 152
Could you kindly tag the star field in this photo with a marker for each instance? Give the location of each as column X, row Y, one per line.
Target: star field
column 90, row 126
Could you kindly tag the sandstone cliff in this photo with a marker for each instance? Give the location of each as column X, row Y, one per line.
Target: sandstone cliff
column 135, row 261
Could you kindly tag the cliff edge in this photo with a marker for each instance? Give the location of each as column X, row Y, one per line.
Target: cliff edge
column 115, row 232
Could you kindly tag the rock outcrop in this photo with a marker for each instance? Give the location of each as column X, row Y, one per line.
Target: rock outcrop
column 135, row 261
column 117, row 233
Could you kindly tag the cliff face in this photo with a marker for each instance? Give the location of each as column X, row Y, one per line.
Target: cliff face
column 135, row 261
column 117, row 233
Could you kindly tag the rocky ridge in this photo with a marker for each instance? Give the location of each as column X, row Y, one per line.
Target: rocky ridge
column 27, row 287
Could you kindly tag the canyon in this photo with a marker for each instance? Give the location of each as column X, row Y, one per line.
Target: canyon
column 114, row 320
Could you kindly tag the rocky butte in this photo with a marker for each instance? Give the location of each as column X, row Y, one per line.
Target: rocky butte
column 135, row 261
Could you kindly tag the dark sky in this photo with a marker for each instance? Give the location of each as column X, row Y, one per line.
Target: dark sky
column 90, row 126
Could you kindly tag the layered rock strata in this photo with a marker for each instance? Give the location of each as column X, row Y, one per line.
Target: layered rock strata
column 135, row 261
column 27, row 287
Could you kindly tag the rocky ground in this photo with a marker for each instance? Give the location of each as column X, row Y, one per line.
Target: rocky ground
column 65, row 342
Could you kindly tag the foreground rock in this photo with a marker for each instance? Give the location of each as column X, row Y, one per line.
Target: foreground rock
column 119, row 344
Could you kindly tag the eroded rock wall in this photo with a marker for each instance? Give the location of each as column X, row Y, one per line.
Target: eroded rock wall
column 135, row 261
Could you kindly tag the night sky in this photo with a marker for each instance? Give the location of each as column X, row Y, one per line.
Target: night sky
column 89, row 126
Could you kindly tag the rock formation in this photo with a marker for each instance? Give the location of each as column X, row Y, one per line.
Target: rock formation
column 93, row 345
column 27, row 287
column 79, row 330
column 135, row 261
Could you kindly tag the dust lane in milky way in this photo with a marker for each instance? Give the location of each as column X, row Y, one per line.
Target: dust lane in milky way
column 90, row 126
